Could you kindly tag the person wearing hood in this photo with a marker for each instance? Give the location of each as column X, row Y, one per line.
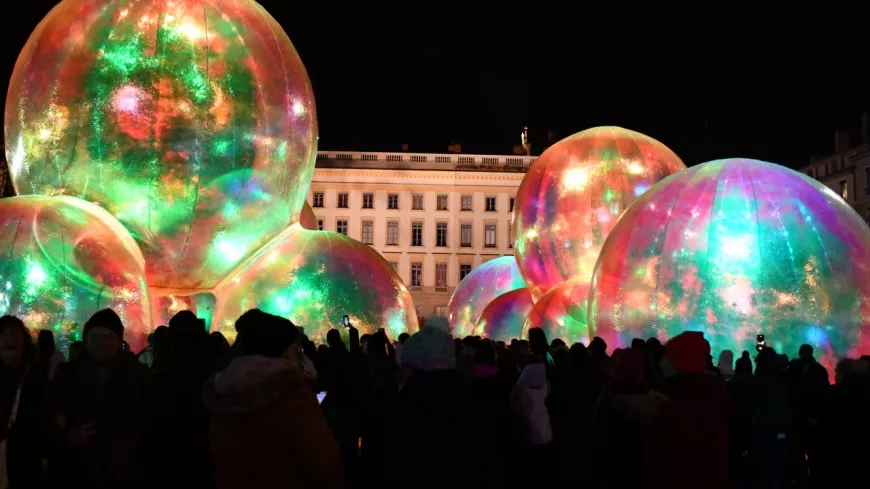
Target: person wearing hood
column 726, row 364
column 689, row 441
column 266, row 429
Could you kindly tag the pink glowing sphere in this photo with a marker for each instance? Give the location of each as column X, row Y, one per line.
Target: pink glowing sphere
column 503, row 318
column 191, row 121
column 477, row 289
column 561, row 312
column 315, row 278
column 62, row 260
column 737, row 248
column 573, row 195
column 307, row 218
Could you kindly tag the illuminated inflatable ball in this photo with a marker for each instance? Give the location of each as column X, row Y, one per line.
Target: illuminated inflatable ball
column 315, row 278
column 63, row 259
column 562, row 312
column 486, row 282
column 307, row 218
column 573, row 195
column 503, row 318
column 735, row 248
column 191, row 121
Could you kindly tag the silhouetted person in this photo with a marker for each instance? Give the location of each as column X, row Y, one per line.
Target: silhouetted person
column 220, row 351
column 809, row 385
column 743, row 366
column 48, row 357
column 99, row 401
column 23, row 413
column 343, row 378
column 266, row 429
column 771, row 423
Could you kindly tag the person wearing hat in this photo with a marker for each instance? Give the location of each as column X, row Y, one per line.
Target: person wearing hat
column 99, row 410
column 266, row 429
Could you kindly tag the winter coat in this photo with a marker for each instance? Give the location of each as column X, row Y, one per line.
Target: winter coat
column 266, row 429
column 531, row 420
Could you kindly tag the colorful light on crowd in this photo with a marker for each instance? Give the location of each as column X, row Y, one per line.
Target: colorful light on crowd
column 63, row 259
column 503, row 318
column 486, row 282
column 561, row 312
column 573, row 195
column 314, row 278
column 736, row 248
column 191, row 121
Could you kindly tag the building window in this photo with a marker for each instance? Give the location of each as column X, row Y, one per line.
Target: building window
column 342, row 200
column 844, row 190
column 441, row 311
column 466, row 203
column 318, row 199
column 465, row 235
column 489, row 235
column 510, row 238
column 417, row 202
column 442, row 202
column 441, row 234
column 368, row 232
column 393, row 201
column 440, row 275
column 417, row 234
column 512, row 202
column 392, row 233
column 416, row 274
column 464, row 270
column 341, row 226
column 320, row 224
column 368, row 201
column 490, row 204
column 395, row 266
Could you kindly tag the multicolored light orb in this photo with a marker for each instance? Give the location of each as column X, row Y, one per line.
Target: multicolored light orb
column 307, row 218
column 562, row 312
column 574, row 193
column 63, row 259
column 486, row 282
column 503, row 318
column 736, row 248
column 314, row 278
column 191, row 121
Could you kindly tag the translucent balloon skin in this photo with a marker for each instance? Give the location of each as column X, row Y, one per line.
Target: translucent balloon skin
column 736, row 248
column 503, row 318
column 63, row 259
column 314, row 278
column 307, row 218
column 562, row 312
column 486, row 282
column 192, row 121
column 573, row 195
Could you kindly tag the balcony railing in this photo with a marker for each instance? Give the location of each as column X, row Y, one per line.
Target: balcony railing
column 427, row 161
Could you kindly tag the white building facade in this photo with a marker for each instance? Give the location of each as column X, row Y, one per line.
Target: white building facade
column 433, row 217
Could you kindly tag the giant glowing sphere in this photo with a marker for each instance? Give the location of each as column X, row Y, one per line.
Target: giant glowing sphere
column 486, row 282
column 191, row 121
column 307, row 218
column 561, row 312
column 574, row 193
column 736, row 248
column 314, row 278
column 503, row 318
column 63, row 259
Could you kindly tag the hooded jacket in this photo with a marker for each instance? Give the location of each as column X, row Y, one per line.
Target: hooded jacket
column 531, row 419
column 266, row 429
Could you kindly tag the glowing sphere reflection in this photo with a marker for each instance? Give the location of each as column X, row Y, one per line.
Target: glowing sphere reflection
column 486, row 282
column 191, row 121
column 503, row 318
column 314, row 278
column 63, row 259
column 736, row 248
column 307, row 218
column 561, row 312
column 574, row 193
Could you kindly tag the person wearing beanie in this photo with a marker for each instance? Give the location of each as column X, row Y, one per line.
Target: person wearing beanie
column 266, row 429
column 99, row 402
column 436, row 419
column 689, row 445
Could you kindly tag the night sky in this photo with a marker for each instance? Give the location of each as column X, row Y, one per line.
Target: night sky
column 717, row 80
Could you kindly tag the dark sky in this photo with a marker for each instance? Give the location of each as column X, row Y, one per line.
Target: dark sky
column 714, row 80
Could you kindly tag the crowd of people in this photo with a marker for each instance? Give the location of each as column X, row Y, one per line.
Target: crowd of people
column 275, row 410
